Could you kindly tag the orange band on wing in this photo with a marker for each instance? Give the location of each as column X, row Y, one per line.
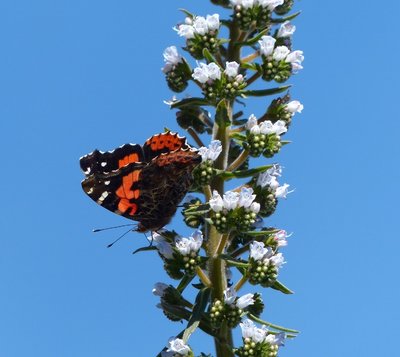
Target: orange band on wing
column 125, row 192
column 128, row 159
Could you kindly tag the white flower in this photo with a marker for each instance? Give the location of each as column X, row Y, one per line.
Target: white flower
column 196, row 240
column 275, row 170
column 231, row 200
column 294, row 107
column 296, row 67
column 255, row 207
column 267, row 179
column 270, row 4
column 266, row 127
column 231, row 69
column 185, row 30
column 282, row 191
column 295, row 57
column 247, row 4
column 259, row 334
column 287, row 29
column 267, row 45
column 183, row 245
column 176, row 345
column 200, row 25
column 216, row 202
column 244, row 301
column 258, row 250
column 200, row 73
column 277, row 339
column 163, row 247
column 247, row 327
column 280, row 53
column 230, row 295
column 212, row 152
column 278, row 260
column 213, row 22
column 159, row 289
column 236, row 2
column 193, row 244
column 171, row 58
column 252, row 125
column 214, row 72
column 280, row 238
column 280, row 127
column 246, row 197
column 239, row 78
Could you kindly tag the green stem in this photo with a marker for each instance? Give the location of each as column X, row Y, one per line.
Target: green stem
column 276, row 327
column 239, row 161
column 241, row 282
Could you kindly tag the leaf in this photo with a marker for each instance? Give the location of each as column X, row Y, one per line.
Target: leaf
column 234, row 262
column 268, row 324
column 287, row 18
column 238, row 136
column 184, row 283
column 208, row 56
column 200, row 305
column 265, row 92
column 144, row 249
column 186, row 12
column 262, row 233
column 282, row 288
column 251, row 66
column 242, row 174
column 253, row 40
column 221, row 115
column 189, row 101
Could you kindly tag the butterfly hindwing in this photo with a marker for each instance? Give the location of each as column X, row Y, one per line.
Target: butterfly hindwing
column 163, row 143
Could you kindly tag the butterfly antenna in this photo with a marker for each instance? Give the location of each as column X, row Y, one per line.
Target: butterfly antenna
column 106, row 229
column 120, row 237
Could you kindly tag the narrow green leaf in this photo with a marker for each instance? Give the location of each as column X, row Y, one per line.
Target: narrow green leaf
column 253, row 40
column 238, row 136
column 287, row 18
column 282, row 288
column 208, row 56
column 262, row 233
column 243, row 173
column 184, row 283
column 189, row 101
column 221, row 115
column 237, row 263
column 265, row 92
column 251, row 66
column 144, row 249
column 200, row 305
column 186, row 12
column 285, row 142
column 269, row 324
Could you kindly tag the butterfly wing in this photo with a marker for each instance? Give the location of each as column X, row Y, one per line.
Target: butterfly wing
column 163, row 143
column 101, row 162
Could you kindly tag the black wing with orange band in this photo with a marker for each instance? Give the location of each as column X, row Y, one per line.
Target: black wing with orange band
column 163, row 143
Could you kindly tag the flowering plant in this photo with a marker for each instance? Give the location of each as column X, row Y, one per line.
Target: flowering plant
column 229, row 229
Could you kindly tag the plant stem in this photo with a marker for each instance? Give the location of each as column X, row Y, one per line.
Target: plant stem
column 239, row 161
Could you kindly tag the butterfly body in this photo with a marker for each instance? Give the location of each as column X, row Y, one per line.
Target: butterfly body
column 144, row 184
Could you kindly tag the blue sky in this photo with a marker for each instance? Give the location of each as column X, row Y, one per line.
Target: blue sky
column 76, row 75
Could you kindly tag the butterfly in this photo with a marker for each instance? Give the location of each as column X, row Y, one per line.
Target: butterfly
column 143, row 183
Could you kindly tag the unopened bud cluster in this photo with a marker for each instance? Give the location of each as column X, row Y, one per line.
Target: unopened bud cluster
column 177, row 72
column 264, row 264
column 259, row 342
column 264, row 138
column 190, row 214
column 205, row 171
column 284, row 109
column 230, row 310
column 234, row 211
column 254, row 13
column 182, row 257
column 218, row 83
column 200, row 33
column 285, row 7
column 279, row 62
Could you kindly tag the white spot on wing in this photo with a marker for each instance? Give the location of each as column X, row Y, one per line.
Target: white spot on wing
column 103, row 164
column 106, row 183
column 102, row 197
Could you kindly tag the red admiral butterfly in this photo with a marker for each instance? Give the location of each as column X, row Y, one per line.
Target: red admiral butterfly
column 144, row 184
